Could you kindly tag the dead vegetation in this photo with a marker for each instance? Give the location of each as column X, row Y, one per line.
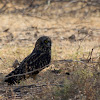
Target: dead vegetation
column 74, row 72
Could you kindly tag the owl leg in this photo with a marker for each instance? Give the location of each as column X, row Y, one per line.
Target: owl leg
column 34, row 75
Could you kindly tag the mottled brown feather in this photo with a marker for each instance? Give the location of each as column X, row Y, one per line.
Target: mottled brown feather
column 40, row 57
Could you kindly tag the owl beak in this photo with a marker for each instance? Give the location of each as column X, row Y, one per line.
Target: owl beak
column 49, row 44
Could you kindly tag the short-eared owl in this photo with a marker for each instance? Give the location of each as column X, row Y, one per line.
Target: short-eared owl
column 40, row 57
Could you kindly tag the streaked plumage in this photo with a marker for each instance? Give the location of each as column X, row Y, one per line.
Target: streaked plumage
column 40, row 57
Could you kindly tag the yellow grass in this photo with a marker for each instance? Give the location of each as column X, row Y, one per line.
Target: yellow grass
column 62, row 48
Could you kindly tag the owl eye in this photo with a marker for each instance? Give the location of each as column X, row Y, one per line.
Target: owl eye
column 46, row 41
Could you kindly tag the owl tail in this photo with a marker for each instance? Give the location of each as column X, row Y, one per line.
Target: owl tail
column 13, row 80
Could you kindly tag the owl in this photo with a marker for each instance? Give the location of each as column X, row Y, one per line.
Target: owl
column 34, row 63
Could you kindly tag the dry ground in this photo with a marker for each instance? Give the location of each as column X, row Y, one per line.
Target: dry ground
column 72, row 38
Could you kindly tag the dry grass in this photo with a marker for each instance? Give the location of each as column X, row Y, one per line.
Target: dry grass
column 54, row 83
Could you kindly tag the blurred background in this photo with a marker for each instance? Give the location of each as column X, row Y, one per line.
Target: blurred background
column 73, row 26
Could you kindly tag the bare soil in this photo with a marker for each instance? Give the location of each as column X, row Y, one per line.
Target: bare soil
column 72, row 39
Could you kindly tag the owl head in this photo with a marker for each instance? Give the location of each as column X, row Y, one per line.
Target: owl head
column 43, row 44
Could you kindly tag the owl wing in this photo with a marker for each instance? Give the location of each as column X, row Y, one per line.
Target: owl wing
column 34, row 61
column 37, row 61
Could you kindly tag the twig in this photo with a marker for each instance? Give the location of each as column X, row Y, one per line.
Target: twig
column 90, row 54
column 34, row 85
column 56, row 61
column 27, row 72
column 1, row 10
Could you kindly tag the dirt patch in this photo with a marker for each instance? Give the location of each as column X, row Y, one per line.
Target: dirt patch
column 76, row 40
